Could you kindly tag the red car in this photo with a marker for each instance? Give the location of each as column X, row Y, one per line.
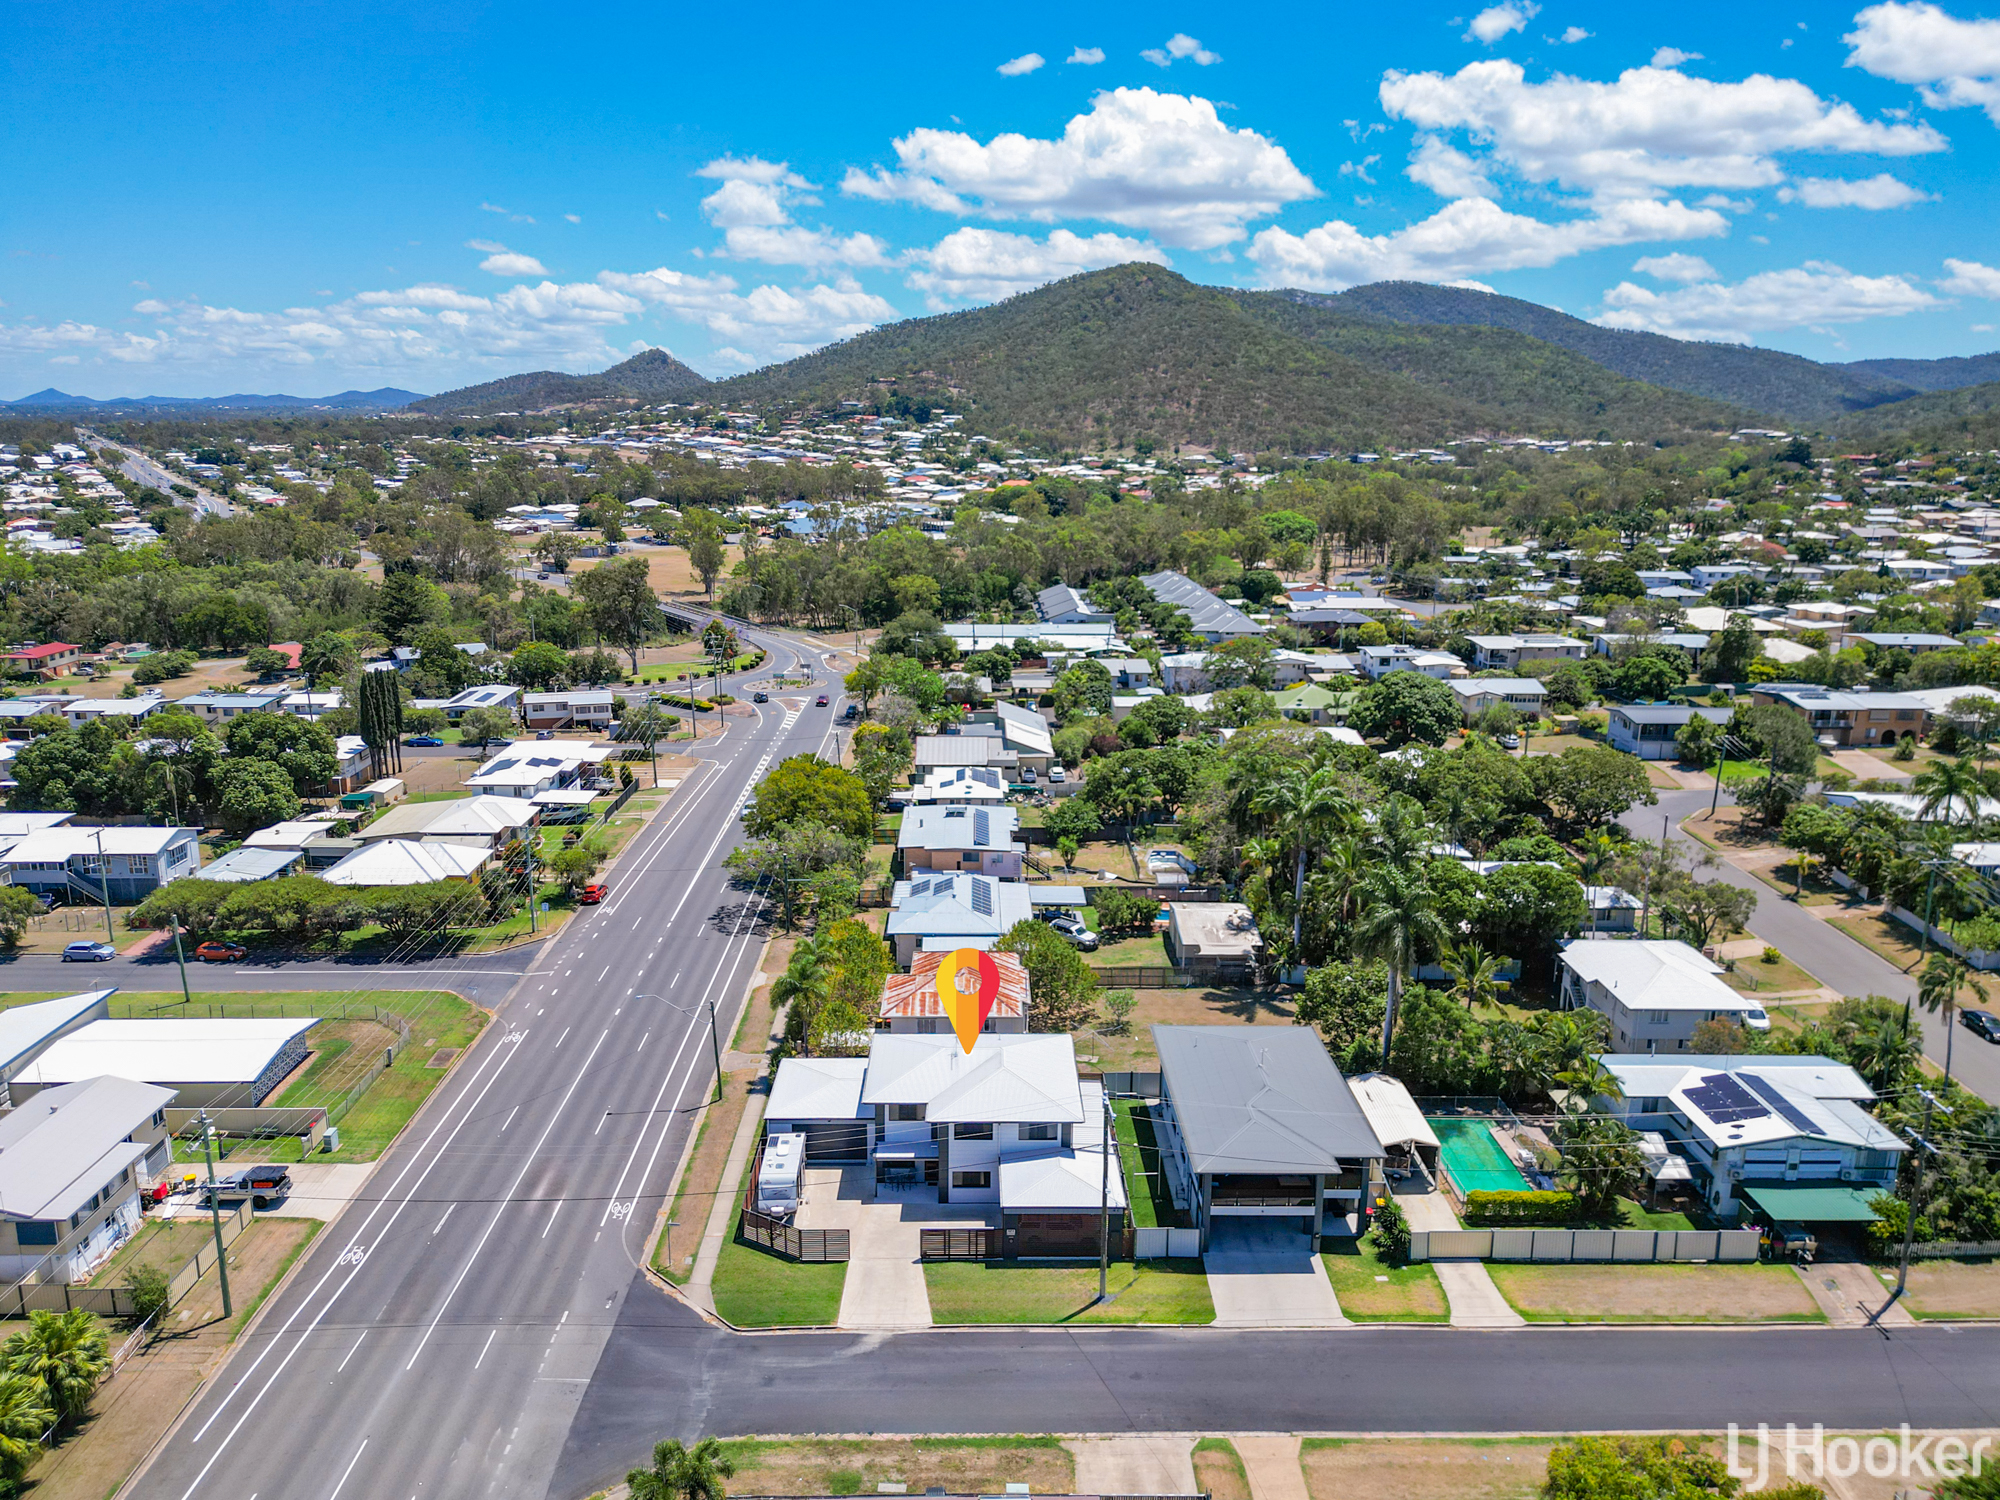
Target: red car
column 820, row 702
column 592, row 894
column 221, row 953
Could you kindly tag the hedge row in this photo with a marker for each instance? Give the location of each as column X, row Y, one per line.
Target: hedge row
column 1521, row 1206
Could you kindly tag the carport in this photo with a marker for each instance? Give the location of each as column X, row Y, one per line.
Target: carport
column 820, row 1098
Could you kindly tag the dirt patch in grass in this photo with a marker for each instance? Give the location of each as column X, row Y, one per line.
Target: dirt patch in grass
column 1218, row 1469
column 1732, row 828
column 963, row 1466
column 1133, row 1048
column 1425, row 1469
column 1151, row 1291
column 1371, row 1292
column 1954, row 1289
column 1661, row 777
column 1656, row 1294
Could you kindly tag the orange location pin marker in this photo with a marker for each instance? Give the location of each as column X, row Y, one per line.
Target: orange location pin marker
column 968, row 982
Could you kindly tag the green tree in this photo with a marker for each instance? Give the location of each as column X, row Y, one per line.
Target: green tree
column 87, row 769
column 151, row 1293
column 254, row 794
column 1121, row 786
column 405, row 604
column 1779, row 732
column 1474, row 974
column 619, row 602
column 1952, row 790
column 1158, row 720
column 681, row 1473
column 1731, row 651
column 1645, row 676
column 66, row 1353
column 702, row 535
column 1703, row 910
column 1589, row 785
column 25, row 1414
column 1529, row 909
column 303, row 750
column 1570, row 686
column 539, row 666
column 808, row 868
column 1398, row 917
column 1073, row 818
column 1944, row 979
column 1699, row 742
column 485, row 726
column 1083, row 691
column 17, row 905
column 1239, row 707
column 1597, row 1468
column 265, row 662
column 1344, row 1003
column 327, row 657
column 1064, row 989
column 1405, row 706
column 804, row 788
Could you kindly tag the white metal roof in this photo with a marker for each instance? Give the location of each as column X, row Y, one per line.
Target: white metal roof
column 1655, row 975
column 1004, row 1077
column 817, row 1088
column 27, row 1029
column 1392, row 1114
column 172, row 1050
column 66, row 1143
column 407, row 862
column 1059, row 1181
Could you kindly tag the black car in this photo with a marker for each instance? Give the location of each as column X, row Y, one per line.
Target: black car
column 760, row 697
column 1981, row 1023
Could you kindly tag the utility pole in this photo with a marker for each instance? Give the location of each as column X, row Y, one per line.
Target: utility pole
column 215, row 1214
column 533, row 890
column 1924, row 1147
column 104, row 886
column 181, row 959
column 1104, row 1200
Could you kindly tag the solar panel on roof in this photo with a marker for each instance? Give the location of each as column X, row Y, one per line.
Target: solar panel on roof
column 1775, row 1097
column 982, row 898
column 982, row 828
column 1724, row 1100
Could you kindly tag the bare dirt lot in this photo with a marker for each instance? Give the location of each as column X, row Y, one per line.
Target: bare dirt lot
column 964, row 1466
column 1656, row 1294
column 1424, row 1469
column 1954, row 1289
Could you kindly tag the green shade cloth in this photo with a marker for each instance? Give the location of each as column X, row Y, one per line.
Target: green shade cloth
column 1808, row 1205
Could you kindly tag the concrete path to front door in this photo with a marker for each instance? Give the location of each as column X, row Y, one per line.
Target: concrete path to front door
column 1468, row 1287
column 885, row 1289
column 1850, row 1293
column 1264, row 1273
column 1143, row 1464
column 1271, row 1464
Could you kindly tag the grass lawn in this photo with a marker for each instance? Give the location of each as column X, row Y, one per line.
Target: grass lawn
column 164, row 1244
column 439, row 1022
column 1947, row 1289
column 755, row 1289
column 1145, row 1185
column 1149, row 1291
column 1902, row 946
column 1425, row 1468
column 1656, row 1293
column 1133, row 1047
column 1373, row 1292
column 959, row 1465
column 1218, row 1470
column 1133, row 952
column 1752, row 976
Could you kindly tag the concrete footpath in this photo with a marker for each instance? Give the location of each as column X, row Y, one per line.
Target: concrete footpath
column 1850, row 1293
column 1271, row 1463
column 701, row 1281
column 1468, row 1286
column 1148, row 1464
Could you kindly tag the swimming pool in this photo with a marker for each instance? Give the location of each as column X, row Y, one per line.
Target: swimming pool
column 1474, row 1158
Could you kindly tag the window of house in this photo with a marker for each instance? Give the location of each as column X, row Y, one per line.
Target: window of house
column 972, row 1132
column 971, row 1179
column 1656, row 1018
column 906, row 1111
column 37, row 1231
column 1041, row 1132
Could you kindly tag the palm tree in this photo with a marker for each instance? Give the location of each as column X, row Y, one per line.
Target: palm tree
column 682, row 1473
column 1947, row 786
column 1474, row 974
column 66, row 1352
column 1311, row 805
column 1588, row 1079
column 1943, row 977
column 1885, row 1054
column 25, row 1414
column 805, row 986
column 1397, row 914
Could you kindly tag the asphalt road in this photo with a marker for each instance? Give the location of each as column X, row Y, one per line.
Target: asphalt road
column 143, row 470
column 666, row 1374
column 438, row 1339
column 1824, row 951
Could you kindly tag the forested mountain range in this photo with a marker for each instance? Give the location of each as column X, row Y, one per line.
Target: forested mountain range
column 651, row 375
column 388, row 398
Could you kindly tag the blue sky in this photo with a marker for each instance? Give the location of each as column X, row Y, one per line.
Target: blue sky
column 206, row 198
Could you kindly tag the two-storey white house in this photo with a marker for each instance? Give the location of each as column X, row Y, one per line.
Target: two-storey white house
column 1509, row 653
column 1379, row 661
column 1654, row 993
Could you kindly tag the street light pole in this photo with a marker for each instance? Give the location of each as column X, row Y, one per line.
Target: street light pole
column 714, row 1034
column 104, row 886
column 1916, row 1189
column 1104, row 1199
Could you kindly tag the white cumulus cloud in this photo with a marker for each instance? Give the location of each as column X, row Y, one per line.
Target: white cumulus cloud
column 1447, row 171
column 1678, row 267
column 1673, row 57
column 1572, row 35
column 1089, row 57
column 1162, row 163
column 983, row 265
column 1815, row 294
column 753, row 209
column 1497, row 21
column 1650, row 130
column 1879, row 191
column 1181, row 45
column 772, row 322
column 510, row 263
column 1465, row 238
column 1954, row 63
column 1971, row 279
column 1027, row 62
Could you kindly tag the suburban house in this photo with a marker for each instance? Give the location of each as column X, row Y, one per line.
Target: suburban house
column 71, row 1166
column 945, row 752
column 975, row 839
column 497, row 695
column 1255, row 1122
column 1654, row 992
column 936, row 913
column 218, row 707
column 46, row 661
column 244, row 865
column 1526, row 696
column 526, row 767
column 313, row 838
column 574, row 708
column 1059, row 604
column 1608, row 643
column 1915, row 643
column 1612, row 909
column 1508, row 653
column 1847, row 718
column 477, row 822
column 1649, row 730
column 1218, row 938
column 1024, row 733
column 407, row 862
column 1008, row 1125
column 960, row 785
column 1787, row 1134
column 312, row 705
column 1379, row 661
column 910, row 1002
column 125, row 864
column 206, row 1061
column 1210, row 618
column 118, row 711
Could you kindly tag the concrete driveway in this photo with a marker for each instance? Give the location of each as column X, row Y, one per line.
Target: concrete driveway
column 1265, row 1273
column 885, row 1287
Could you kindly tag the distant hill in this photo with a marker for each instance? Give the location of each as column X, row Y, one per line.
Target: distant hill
column 388, row 398
column 1968, row 418
column 1137, row 351
column 1933, row 374
column 650, row 375
column 1786, row 386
